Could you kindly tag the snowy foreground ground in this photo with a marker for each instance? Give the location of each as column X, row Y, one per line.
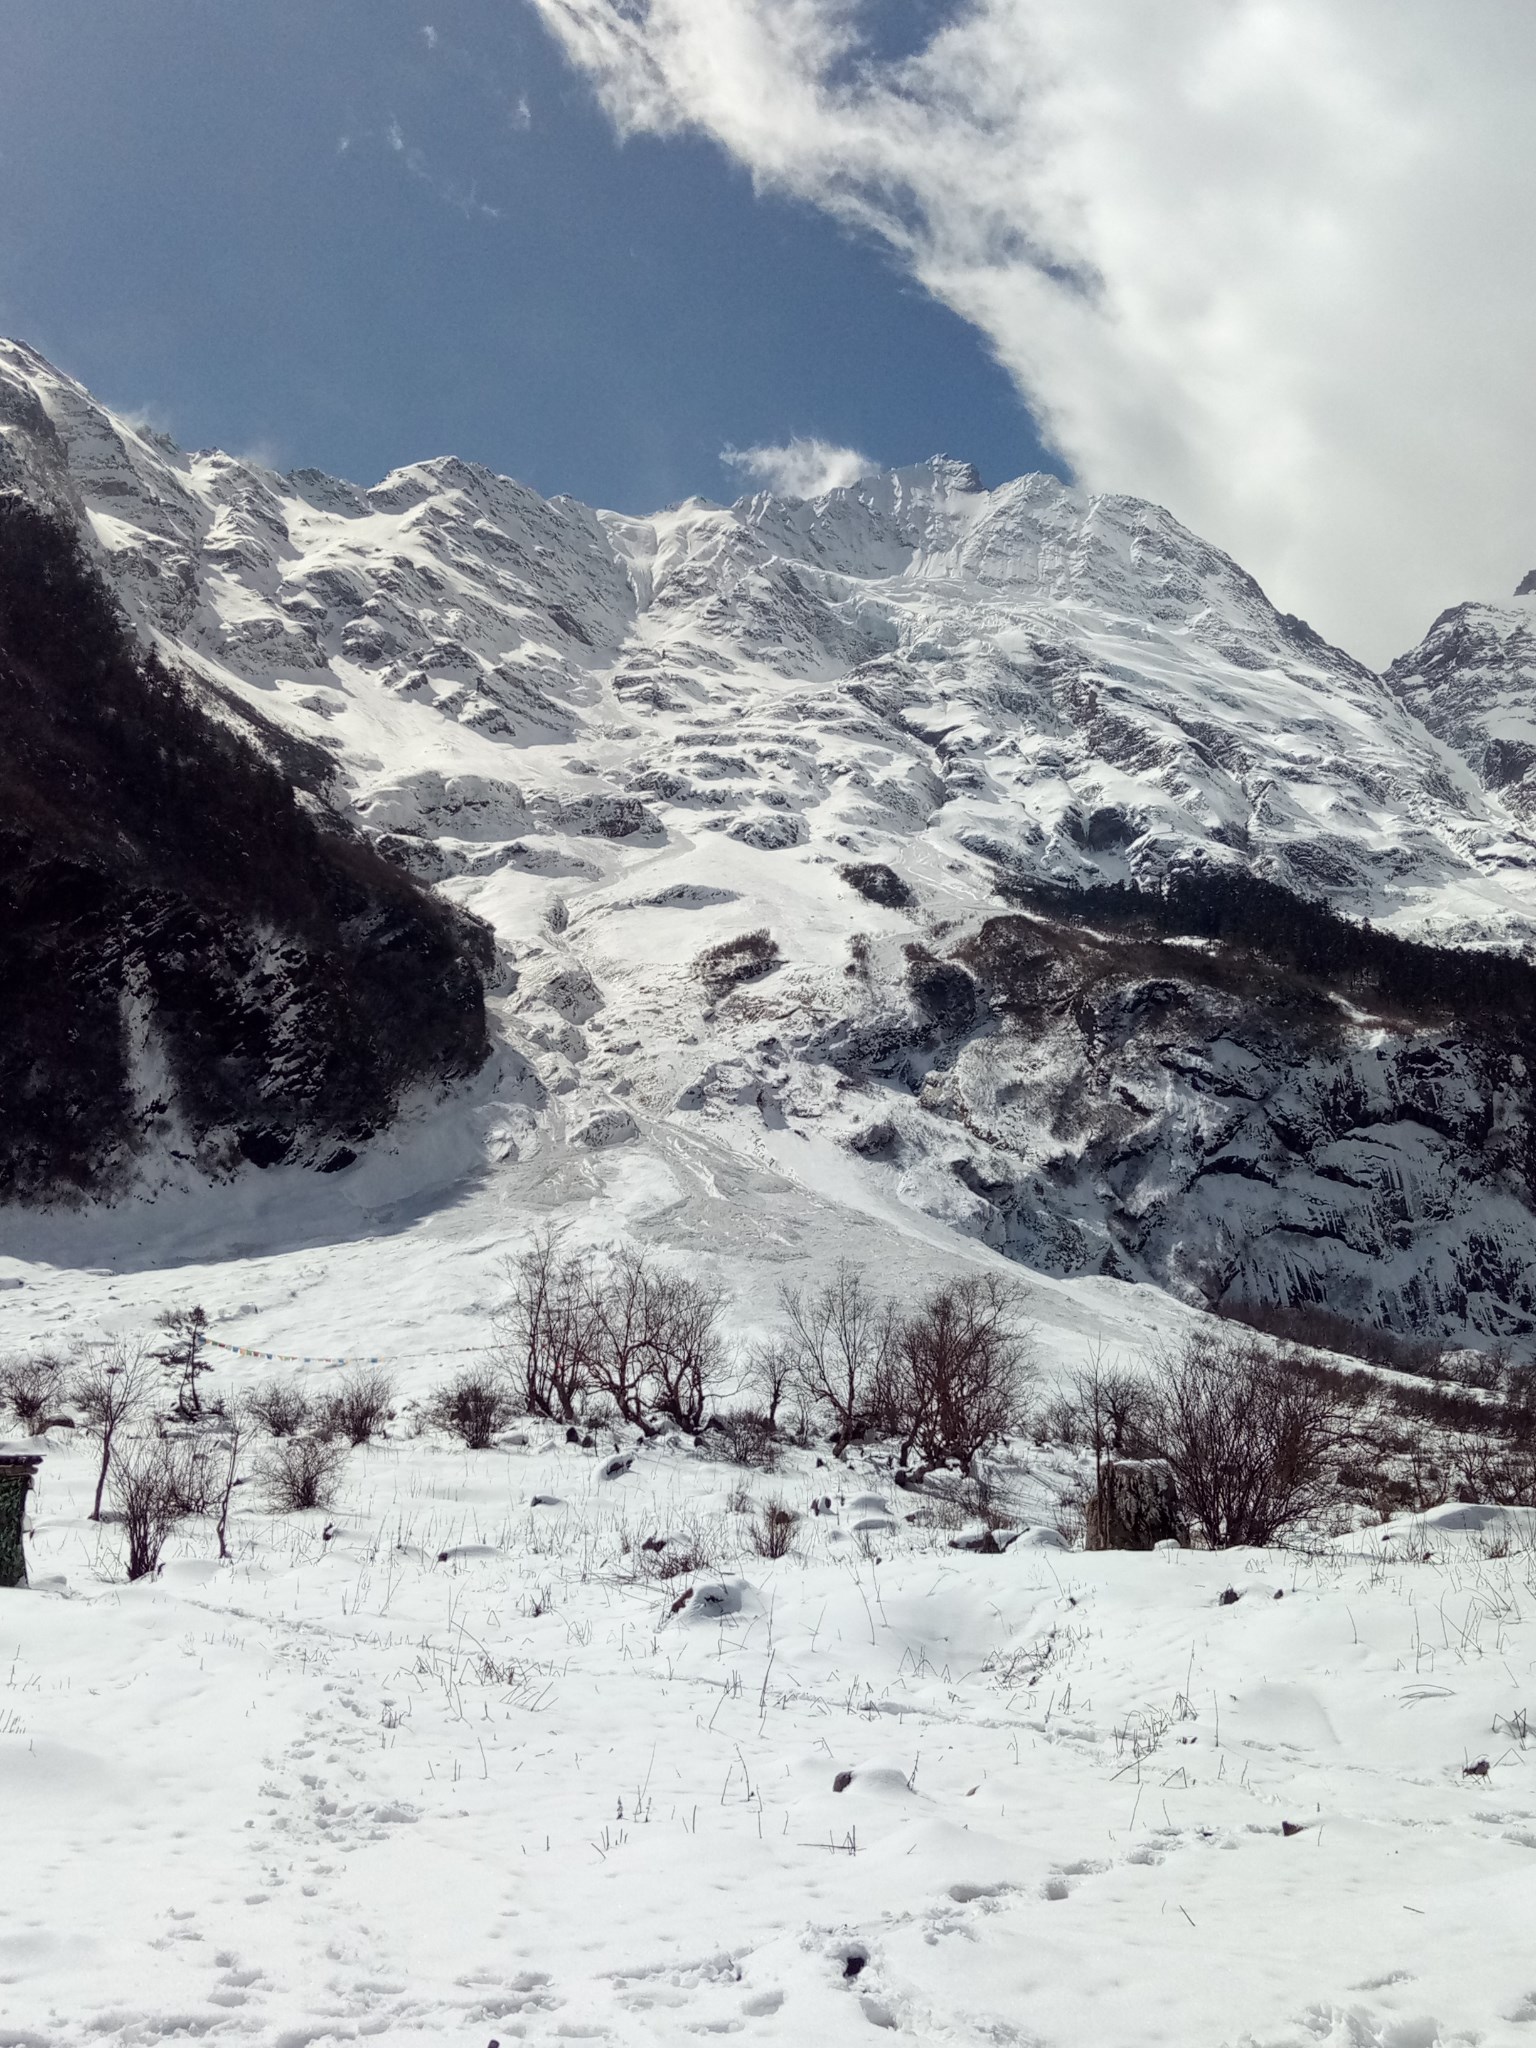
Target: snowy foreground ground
column 456, row 1772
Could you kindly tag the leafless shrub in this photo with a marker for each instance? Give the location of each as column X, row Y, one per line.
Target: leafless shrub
column 841, row 1336
column 879, row 884
column 280, row 1407
column 473, row 1406
column 359, row 1407
column 748, row 1437
column 772, row 1533
column 1059, row 1421
column 108, row 1390
column 298, row 1472
column 962, row 1363
column 150, row 1487
column 1504, row 1474
column 32, row 1389
column 623, row 1312
column 196, row 1468
column 691, row 1549
column 1251, row 1438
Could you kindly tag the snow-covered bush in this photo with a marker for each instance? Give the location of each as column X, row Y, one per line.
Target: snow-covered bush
column 358, row 1408
column 280, row 1407
column 32, row 1388
column 473, row 1406
column 298, row 1472
column 773, row 1530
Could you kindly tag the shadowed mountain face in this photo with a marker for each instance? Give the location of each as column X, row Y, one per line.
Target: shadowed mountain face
column 191, row 963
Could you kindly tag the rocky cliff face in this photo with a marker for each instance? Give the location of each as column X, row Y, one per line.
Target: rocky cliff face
column 196, row 971
column 835, row 743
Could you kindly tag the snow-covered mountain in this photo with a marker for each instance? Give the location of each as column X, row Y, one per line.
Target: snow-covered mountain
column 1472, row 682
column 846, row 724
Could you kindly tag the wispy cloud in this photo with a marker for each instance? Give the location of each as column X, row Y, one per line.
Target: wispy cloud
column 802, row 468
column 1262, row 260
column 462, row 198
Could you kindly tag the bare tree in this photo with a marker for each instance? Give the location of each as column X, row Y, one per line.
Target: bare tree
column 963, row 1361
column 628, row 1324
column 109, row 1389
column 771, row 1374
column 238, row 1425
column 841, row 1335
column 547, row 1332
column 182, row 1356
column 687, row 1355
column 1250, row 1437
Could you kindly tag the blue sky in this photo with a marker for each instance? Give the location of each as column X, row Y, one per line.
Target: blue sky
column 352, row 233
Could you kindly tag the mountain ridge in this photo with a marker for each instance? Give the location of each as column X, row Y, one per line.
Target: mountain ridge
column 628, row 743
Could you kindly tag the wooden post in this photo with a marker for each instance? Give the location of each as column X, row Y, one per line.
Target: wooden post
column 17, row 1469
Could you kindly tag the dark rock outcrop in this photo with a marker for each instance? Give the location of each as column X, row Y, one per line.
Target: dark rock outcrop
column 195, row 958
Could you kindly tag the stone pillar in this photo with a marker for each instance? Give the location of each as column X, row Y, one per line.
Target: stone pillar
column 17, row 1468
column 1137, row 1506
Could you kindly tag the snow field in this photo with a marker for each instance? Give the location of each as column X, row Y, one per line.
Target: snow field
column 457, row 1771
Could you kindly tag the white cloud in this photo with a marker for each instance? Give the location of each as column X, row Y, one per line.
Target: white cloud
column 803, row 468
column 1266, row 261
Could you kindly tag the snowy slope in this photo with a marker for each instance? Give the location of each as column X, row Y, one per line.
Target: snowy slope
column 627, row 741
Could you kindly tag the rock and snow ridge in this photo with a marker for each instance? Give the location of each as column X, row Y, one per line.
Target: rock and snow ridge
column 627, row 741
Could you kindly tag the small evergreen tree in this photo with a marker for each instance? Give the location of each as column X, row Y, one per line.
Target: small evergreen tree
column 182, row 1356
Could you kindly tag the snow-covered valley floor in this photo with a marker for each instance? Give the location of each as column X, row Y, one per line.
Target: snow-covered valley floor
column 443, row 1765
column 348, row 1787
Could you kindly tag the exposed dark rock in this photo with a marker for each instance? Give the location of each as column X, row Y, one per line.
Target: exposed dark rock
column 1135, row 1507
column 186, row 955
column 944, row 992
